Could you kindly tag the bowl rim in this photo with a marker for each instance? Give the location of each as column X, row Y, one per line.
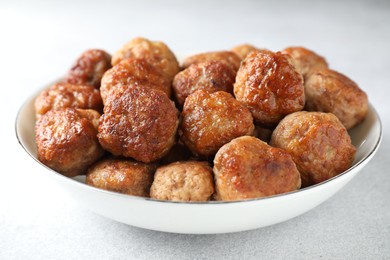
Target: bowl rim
column 148, row 199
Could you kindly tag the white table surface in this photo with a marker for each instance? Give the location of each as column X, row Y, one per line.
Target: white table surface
column 39, row 41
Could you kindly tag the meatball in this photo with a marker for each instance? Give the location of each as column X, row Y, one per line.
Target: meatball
column 63, row 95
column 329, row 91
column 89, row 68
column 269, row 85
column 211, row 76
column 66, row 140
column 318, row 143
column 248, row 168
column 157, row 53
column 122, row 175
column 212, row 120
column 227, row 56
column 183, row 181
column 243, row 50
column 133, row 71
column 140, row 122
column 305, row 61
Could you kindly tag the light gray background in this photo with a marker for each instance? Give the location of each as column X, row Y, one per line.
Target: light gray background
column 39, row 40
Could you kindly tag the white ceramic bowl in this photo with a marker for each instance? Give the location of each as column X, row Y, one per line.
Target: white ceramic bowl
column 207, row 217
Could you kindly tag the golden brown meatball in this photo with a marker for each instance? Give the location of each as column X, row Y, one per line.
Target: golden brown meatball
column 212, row 120
column 243, row 50
column 269, row 85
column 227, row 56
column 89, row 68
column 318, row 143
column 156, row 53
column 329, row 91
column 133, row 71
column 183, row 181
column 305, row 61
column 140, row 122
column 210, row 76
column 62, row 95
column 122, row 175
column 249, row 168
column 66, row 140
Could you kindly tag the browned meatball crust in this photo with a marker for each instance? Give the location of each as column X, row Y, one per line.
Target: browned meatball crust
column 63, row 95
column 227, row 56
column 329, row 91
column 243, row 50
column 210, row 76
column 89, row 68
column 122, row 175
column 66, row 140
column 140, row 122
column 133, row 71
column 318, row 142
column 183, row 181
column 305, row 61
column 249, row 168
column 156, row 53
column 210, row 120
column 269, row 85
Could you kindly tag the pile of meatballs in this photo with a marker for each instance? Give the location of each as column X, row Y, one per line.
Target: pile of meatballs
column 223, row 125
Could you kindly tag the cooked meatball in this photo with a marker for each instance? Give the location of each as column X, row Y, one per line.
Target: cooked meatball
column 269, row 85
column 227, row 56
column 89, row 68
column 318, row 143
column 210, row 76
column 243, row 50
column 212, row 120
column 156, row 53
column 133, row 71
column 140, row 122
column 66, row 140
column 305, row 61
column 63, row 95
column 122, row 175
column 248, row 168
column 329, row 91
column 183, row 181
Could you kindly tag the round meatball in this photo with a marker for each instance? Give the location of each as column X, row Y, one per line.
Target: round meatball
column 89, row 68
column 66, row 140
column 133, row 71
column 227, row 56
column 269, row 85
column 243, row 50
column 183, row 181
column 210, row 76
column 318, row 143
column 140, row 122
column 63, row 95
column 248, row 168
column 157, row 53
column 121, row 175
column 212, row 120
column 329, row 91
column 305, row 61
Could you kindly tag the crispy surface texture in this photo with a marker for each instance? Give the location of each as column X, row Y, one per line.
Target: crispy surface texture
column 139, row 122
column 318, row 143
column 66, row 140
column 156, row 53
column 63, row 95
column 122, row 175
column 210, row 76
column 133, row 71
column 89, row 68
column 248, row 168
column 243, row 50
column 329, row 91
column 269, row 86
column 227, row 56
column 210, row 120
column 183, row 181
